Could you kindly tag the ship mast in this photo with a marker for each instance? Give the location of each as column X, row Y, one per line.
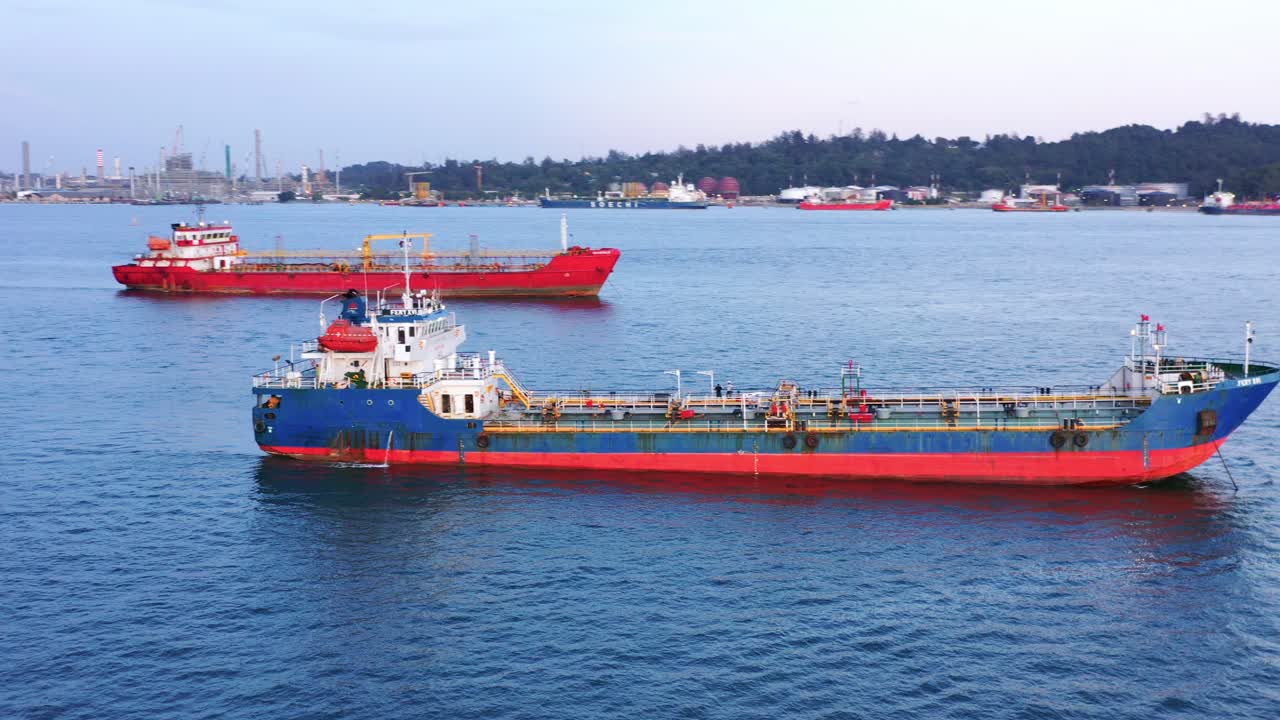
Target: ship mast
column 1248, row 344
column 405, row 244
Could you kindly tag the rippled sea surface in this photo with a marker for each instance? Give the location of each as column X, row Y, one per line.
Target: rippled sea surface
column 154, row 564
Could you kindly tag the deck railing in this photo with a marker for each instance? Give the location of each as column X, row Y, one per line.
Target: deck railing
column 1059, row 397
column 1177, row 376
column 731, row 425
column 1189, row 375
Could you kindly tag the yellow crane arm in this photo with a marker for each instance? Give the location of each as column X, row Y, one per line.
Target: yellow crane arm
column 370, row 239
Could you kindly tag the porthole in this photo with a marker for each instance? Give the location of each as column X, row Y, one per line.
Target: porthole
column 369, row 401
column 391, row 402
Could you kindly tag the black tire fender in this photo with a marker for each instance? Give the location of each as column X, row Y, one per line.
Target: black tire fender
column 789, row 441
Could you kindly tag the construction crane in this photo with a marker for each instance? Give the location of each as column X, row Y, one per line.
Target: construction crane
column 411, row 175
column 245, row 163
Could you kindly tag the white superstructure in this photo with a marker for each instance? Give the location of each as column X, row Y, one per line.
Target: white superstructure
column 1220, row 199
column 798, row 194
column 201, row 246
column 684, row 193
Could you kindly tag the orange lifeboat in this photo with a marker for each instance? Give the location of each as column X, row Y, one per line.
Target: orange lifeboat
column 157, row 243
column 342, row 336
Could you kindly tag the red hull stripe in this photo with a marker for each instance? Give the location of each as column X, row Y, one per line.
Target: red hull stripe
column 1047, row 468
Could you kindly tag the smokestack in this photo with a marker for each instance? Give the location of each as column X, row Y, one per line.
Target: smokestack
column 257, row 153
column 26, row 164
column 227, row 152
column 102, row 166
column 117, row 174
column 320, row 173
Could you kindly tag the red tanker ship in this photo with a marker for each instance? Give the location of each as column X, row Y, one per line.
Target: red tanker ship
column 207, row 258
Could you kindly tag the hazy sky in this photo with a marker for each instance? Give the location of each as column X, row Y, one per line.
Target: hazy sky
column 423, row 79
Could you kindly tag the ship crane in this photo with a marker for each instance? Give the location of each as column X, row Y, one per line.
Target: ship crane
column 367, row 245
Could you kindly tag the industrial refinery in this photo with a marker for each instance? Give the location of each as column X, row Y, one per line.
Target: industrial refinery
column 174, row 175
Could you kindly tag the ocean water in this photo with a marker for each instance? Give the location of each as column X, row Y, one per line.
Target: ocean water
column 154, row 564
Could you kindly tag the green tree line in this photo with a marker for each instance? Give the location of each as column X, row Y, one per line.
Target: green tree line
column 1245, row 155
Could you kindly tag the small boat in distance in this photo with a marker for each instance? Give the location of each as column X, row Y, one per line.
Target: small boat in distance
column 207, row 258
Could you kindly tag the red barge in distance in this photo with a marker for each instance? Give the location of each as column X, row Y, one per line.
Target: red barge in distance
column 207, row 258
column 846, row 205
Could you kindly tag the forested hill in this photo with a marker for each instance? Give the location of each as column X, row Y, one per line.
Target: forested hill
column 1246, row 155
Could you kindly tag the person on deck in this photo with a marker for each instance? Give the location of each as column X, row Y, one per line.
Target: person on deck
column 353, row 307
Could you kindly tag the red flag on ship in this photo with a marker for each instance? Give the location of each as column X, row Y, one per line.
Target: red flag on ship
column 1159, row 327
column 1146, row 318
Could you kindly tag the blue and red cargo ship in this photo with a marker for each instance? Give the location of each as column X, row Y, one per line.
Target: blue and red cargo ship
column 390, row 386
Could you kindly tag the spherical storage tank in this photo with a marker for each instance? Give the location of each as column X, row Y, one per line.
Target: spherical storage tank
column 659, row 187
column 707, row 185
column 729, row 188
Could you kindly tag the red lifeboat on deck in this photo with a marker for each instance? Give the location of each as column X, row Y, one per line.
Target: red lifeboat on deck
column 342, row 336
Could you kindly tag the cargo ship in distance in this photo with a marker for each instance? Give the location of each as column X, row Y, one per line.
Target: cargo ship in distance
column 207, row 258
column 1224, row 203
column 815, row 204
column 1039, row 205
column 852, row 197
column 390, row 386
column 679, row 196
